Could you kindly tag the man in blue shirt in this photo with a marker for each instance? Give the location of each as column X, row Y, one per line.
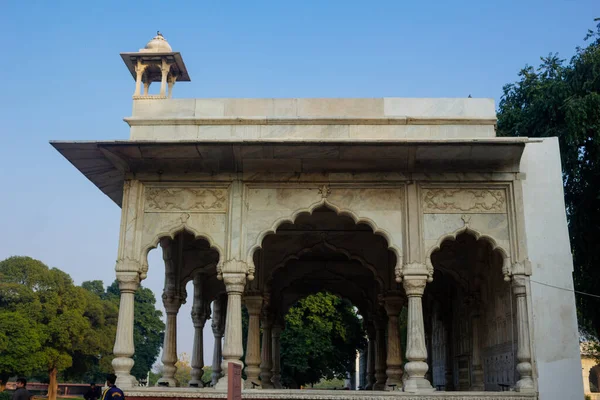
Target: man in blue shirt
column 113, row 392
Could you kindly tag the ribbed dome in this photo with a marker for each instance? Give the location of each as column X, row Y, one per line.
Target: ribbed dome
column 158, row 44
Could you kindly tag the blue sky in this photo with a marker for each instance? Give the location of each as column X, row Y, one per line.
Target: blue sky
column 63, row 79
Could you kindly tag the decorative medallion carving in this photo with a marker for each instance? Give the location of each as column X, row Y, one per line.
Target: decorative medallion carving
column 170, row 199
column 459, row 201
column 324, row 191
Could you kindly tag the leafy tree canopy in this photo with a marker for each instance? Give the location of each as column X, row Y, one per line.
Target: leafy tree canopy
column 322, row 334
column 563, row 99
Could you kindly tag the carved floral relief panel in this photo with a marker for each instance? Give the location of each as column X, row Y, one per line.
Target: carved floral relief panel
column 188, row 199
column 463, row 200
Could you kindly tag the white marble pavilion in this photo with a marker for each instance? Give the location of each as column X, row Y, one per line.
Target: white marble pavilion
column 391, row 203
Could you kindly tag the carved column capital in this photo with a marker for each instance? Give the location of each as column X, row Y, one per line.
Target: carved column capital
column 140, row 67
column 393, row 305
column 235, row 266
column 234, row 283
column 519, row 285
column 253, row 304
column 129, row 282
column 414, row 268
column 276, row 329
column 172, row 301
column 414, row 285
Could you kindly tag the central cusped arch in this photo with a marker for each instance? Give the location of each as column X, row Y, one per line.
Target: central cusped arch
column 355, row 215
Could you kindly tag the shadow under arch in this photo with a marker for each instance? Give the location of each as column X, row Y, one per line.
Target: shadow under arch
column 324, row 203
column 335, row 250
column 479, row 236
column 171, row 233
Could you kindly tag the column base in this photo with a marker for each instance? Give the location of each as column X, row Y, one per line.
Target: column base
column 251, row 384
column 126, row 381
column 167, row 382
column 122, row 367
column 394, row 378
column 196, row 383
column 418, row 385
column 525, row 385
column 222, row 384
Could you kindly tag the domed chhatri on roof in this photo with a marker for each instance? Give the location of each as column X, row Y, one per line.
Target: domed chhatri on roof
column 158, row 44
column 156, row 62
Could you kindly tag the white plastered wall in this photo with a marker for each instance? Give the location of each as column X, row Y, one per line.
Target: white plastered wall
column 554, row 330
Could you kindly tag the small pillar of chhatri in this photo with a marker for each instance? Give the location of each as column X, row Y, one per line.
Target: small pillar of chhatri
column 156, row 62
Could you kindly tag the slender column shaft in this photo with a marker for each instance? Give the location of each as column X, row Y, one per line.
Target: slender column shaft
column 380, row 357
column 172, row 300
column 371, row 360
column 525, row 384
column 393, row 306
column 416, row 349
column 477, row 384
column 124, row 347
column 139, row 72
column 218, row 328
column 276, row 345
column 165, row 68
column 252, row 360
column 200, row 312
column 232, row 345
column 171, row 80
column 146, row 88
column 266, row 355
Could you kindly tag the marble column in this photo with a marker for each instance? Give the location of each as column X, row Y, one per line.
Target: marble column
column 449, row 373
column 232, row 345
column 477, row 383
column 164, row 69
column 124, row 347
column 370, row 381
column 380, row 361
column 252, row 360
column 200, row 313
column 218, row 328
column 525, row 383
column 171, row 80
column 416, row 350
column 393, row 306
column 276, row 352
column 139, row 71
column 172, row 301
column 266, row 363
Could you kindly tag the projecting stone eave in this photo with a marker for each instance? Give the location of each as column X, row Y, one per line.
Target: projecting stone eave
column 107, row 163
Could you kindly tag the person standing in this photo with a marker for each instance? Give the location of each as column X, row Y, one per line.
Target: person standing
column 112, row 392
column 21, row 393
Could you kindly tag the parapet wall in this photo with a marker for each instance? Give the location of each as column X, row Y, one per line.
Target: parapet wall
column 312, row 119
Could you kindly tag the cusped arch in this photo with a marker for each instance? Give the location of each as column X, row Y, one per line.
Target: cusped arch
column 338, row 250
column 340, row 211
column 506, row 260
column 171, row 233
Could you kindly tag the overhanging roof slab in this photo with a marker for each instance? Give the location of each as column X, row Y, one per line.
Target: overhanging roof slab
column 106, row 163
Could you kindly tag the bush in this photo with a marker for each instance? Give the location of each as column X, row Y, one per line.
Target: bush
column 5, row 395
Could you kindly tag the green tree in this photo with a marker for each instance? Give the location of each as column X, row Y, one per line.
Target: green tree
column 57, row 316
column 563, row 99
column 21, row 336
column 92, row 361
column 148, row 330
column 322, row 334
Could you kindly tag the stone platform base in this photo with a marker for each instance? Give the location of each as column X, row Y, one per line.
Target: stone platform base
column 255, row 394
